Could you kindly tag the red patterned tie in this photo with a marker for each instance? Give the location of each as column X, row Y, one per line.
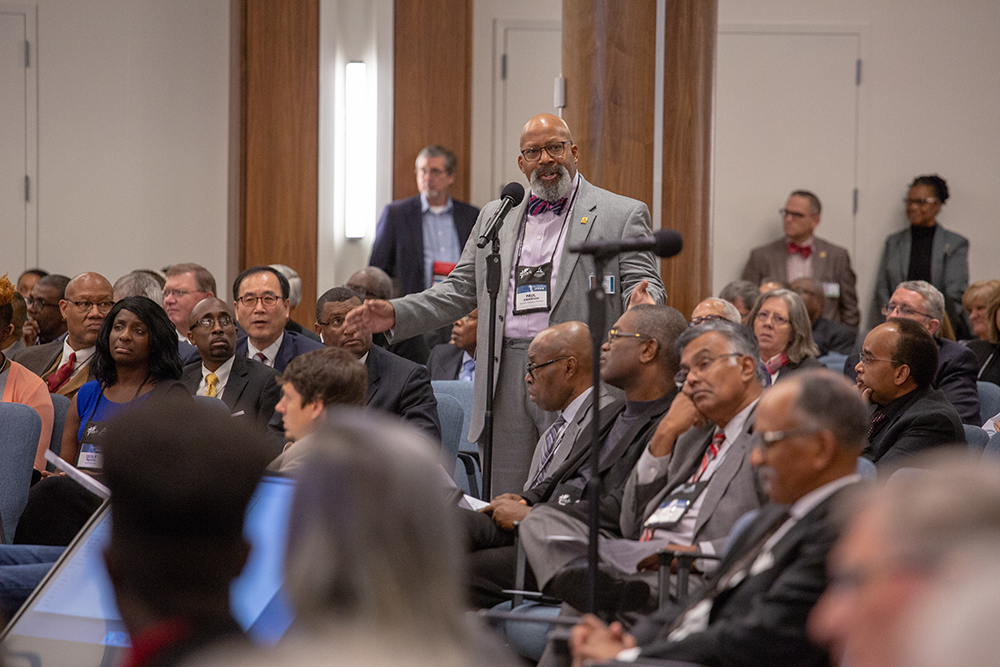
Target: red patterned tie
column 710, row 454
column 62, row 374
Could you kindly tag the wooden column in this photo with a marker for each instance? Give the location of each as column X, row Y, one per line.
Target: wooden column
column 687, row 148
column 278, row 138
column 432, row 87
column 609, row 61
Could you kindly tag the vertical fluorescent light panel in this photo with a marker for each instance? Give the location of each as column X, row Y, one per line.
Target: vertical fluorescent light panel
column 359, row 154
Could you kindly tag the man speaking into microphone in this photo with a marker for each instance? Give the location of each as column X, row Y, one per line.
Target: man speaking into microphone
column 544, row 284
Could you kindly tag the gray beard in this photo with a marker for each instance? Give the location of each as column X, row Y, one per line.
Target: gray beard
column 554, row 191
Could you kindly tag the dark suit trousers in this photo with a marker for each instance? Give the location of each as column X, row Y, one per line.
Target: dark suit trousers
column 492, row 565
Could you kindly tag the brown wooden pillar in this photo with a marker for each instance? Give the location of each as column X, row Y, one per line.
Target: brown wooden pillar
column 609, row 62
column 276, row 59
column 432, row 87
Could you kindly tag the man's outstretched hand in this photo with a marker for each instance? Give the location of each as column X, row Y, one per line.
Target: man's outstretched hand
column 640, row 295
column 372, row 316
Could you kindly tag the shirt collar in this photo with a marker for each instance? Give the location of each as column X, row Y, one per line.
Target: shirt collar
column 735, row 426
column 806, row 503
column 82, row 356
column 425, row 207
column 271, row 351
column 569, row 414
column 222, row 373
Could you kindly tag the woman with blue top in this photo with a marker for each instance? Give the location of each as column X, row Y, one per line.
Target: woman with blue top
column 135, row 360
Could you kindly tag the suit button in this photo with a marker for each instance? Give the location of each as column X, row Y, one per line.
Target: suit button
column 501, row 318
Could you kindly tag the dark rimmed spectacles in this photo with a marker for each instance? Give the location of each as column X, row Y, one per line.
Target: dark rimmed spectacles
column 555, row 151
column 249, row 300
column 534, row 367
column 224, row 321
column 85, row 306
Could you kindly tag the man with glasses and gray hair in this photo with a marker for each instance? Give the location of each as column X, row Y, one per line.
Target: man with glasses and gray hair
column 957, row 368
column 64, row 364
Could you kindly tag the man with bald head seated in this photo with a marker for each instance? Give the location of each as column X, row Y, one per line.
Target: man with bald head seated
column 715, row 309
column 45, row 320
column 563, row 209
column 372, row 282
column 65, row 364
column 246, row 386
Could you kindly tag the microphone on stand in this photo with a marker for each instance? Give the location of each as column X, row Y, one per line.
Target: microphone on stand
column 663, row 243
column 511, row 195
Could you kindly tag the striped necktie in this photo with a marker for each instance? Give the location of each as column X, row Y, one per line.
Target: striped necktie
column 709, row 456
column 551, row 440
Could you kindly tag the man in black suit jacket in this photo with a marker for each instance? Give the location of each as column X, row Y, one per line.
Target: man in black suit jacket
column 809, row 431
column 642, row 362
column 898, row 362
column 261, row 301
column 395, row 385
column 456, row 360
column 399, row 247
column 247, row 387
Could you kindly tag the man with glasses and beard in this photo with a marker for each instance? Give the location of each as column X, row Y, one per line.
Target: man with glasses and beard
column 544, row 284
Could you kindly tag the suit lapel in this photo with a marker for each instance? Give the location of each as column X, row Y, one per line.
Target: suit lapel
column 821, row 261
column 903, row 259
column 374, row 374
column 724, row 474
column 509, row 234
column 578, row 227
column 76, row 381
column 940, row 247
column 236, row 383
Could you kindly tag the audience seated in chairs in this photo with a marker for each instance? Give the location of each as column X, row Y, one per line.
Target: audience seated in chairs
column 808, row 434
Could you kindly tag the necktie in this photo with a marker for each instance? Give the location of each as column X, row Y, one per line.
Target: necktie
column 62, row 374
column 261, row 357
column 537, row 205
column 877, row 418
column 468, row 370
column 551, row 440
column 709, row 456
column 211, row 382
column 795, row 248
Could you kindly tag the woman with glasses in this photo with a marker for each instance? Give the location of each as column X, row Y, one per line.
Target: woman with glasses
column 784, row 333
column 135, row 359
column 925, row 251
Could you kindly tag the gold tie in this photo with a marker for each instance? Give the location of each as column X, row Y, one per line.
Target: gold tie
column 211, row 380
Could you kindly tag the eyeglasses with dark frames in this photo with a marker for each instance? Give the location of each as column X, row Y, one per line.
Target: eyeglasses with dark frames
column 534, row 367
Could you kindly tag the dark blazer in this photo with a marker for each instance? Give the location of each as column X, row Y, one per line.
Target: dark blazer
column 292, row 345
column 831, row 336
column 920, row 420
column 292, row 325
column 988, row 358
column 188, row 352
column 403, row 388
column 792, row 367
column 41, row 359
column 956, row 378
column 399, row 240
column 252, row 387
column 830, row 264
column 762, row 619
column 445, row 362
column 562, row 489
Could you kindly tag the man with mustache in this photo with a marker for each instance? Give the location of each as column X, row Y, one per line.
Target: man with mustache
column 541, row 284
column 246, row 386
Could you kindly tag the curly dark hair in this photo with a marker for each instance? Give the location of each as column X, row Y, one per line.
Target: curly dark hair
column 164, row 360
column 938, row 184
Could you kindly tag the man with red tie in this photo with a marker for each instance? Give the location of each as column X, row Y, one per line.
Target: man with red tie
column 801, row 255
column 64, row 363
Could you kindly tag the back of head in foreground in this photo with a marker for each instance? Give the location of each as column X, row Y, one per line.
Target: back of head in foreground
column 374, row 554
column 181, row 477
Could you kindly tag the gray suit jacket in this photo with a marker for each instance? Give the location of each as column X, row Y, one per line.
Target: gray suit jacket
column 596, row 214
column 949, row 268
column 731, row 493
column 830, row 264
column 579, row 426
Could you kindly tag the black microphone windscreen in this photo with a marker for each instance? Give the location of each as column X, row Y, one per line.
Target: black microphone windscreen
column 668, row 243
column 514, row 191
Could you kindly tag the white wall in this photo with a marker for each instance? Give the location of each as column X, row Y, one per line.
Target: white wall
column 133, row 123
column 929, row 106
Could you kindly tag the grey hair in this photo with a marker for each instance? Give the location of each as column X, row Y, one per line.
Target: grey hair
column 138, row 283
column 933, row 299
column 740, row 340
column 801, row 345
column 371, row 538
column 450, row 163
column 728, row 309
column 743, row 290
column 947, row 500
column 294, row 283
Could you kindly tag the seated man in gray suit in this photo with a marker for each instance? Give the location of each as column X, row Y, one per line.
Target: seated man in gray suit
column 246, row 386
column 64, row 363
column 639, row 358
column 456, row 360
column 807, row 437
column 690, row 484
column 800, row 254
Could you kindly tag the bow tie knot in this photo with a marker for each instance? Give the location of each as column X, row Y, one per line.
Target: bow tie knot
column 795, row 248
column 537, row 205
